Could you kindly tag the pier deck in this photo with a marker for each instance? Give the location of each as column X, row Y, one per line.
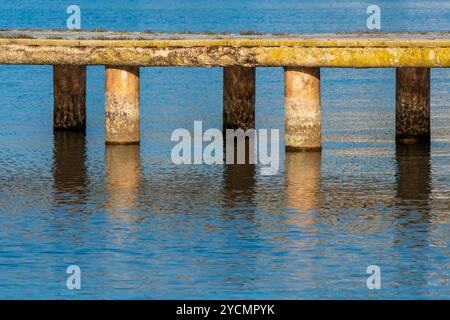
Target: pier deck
column 359, row 50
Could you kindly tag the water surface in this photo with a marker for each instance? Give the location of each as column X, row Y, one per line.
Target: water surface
column 141, row 227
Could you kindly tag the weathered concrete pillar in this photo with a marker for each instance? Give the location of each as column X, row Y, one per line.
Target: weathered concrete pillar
column 122, row 105
column 69, row 92
column 238, row 98
column 302, row 108
column 413, row 105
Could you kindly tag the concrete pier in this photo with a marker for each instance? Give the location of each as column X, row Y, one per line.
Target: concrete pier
column 69, row 92
column 122, row 116
column 413, row 105
column 238, row 98
column 302, row 56
column 302, row 109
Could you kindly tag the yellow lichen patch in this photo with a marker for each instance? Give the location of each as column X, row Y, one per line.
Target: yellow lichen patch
column 354, row 57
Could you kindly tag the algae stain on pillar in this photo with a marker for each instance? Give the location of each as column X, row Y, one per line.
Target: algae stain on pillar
column 122, row 115
column 239, row 97
column 69, row 93
column 413, row 105
column 302, row 109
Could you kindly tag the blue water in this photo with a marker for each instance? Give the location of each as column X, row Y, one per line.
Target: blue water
column 140, row 227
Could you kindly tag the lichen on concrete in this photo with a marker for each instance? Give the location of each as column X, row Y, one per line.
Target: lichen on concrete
column 358, row 50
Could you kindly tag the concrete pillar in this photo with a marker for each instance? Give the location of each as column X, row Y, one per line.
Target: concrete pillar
column 413, row 105
column 122, row 105
column 69, row 92
column 302, row 109
column 238, row 98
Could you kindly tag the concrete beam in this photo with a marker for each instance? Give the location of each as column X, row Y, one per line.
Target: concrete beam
column 359, row 50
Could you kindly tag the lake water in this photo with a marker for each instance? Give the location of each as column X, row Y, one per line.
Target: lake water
column 141, row 227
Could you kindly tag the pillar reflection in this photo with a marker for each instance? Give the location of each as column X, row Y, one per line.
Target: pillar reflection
column 123, row 172
column 239, row 184
column 303, row 171
column 69, row 167
column 412, row 216
column 239, row 180
column 414, row 172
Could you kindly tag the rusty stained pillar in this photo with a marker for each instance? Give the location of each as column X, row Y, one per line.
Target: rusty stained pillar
column 412, row 115
column 239, row 97
column 69, row 94
column 122, row 119
column 302, row 109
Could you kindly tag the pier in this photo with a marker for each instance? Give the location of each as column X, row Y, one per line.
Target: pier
column 301, row 56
